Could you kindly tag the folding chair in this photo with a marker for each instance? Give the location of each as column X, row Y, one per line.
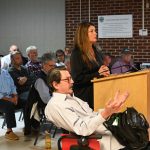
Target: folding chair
column 43, row 121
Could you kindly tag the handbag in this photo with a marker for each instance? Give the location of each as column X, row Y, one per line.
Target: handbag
column 130, row 128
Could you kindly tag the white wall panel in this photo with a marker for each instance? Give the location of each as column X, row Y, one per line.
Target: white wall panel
column 32, row 22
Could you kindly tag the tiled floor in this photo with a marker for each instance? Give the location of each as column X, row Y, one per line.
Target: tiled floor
column 24, row 143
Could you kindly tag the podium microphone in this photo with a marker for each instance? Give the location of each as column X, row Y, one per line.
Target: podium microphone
column 134, row 67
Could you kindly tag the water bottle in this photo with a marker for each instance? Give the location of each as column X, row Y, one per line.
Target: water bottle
column 47, row 140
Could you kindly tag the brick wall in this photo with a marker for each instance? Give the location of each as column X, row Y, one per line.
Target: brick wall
column 141, row 45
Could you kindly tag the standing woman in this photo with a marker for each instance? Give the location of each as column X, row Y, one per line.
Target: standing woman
column 86, row 62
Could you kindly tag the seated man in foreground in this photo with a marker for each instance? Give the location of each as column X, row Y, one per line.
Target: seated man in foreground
column 73, row 114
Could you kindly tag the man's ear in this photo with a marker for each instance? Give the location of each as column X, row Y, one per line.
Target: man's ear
column 55, row 85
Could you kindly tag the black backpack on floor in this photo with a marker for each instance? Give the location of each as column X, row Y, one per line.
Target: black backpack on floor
column 130, row 128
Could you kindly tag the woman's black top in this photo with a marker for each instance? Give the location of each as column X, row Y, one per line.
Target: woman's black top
column 82, row 74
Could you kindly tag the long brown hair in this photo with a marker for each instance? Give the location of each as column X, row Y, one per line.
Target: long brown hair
column 82, row 42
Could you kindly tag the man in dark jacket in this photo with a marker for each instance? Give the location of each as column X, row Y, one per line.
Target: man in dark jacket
column 40, row 93
column 20, row 75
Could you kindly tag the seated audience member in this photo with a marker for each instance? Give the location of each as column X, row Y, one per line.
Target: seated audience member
column 60, row 58
column 8, row 102
column 20, row 75
column 107, row 59
column 124, row 64
column 41, row 85
column 63, row 59
column 67, row 51
column 40, row 92
column 6, row 60
column 33, row 65
column 71, row 113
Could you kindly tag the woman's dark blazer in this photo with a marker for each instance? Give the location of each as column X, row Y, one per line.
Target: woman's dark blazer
column 82, row 75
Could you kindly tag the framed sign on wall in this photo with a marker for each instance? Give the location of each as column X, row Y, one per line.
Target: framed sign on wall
column 115, row 26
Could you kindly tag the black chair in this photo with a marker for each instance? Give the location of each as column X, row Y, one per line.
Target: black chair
column 44, row 121
column 4, row 122
column 21, row 116
column 19, row 108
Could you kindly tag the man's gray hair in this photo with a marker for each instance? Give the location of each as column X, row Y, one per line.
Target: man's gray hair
column 47, row 57
column 30, row 48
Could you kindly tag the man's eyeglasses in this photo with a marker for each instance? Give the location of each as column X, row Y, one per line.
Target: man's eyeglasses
column 52, row 66
column 67, row 79
column 60, row 55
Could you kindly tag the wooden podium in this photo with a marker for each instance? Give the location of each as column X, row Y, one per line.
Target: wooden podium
column 137, row 84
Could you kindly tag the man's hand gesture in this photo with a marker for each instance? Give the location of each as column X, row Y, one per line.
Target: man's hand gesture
column 114, row 105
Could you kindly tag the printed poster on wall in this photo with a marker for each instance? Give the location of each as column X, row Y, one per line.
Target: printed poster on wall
column 115, row 26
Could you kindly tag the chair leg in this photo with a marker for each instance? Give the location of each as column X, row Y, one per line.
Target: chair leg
column 37, row 135
column 4, row 123
column 54, row 132
column 36, row 138
column 51, row 126
column 20, row 116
